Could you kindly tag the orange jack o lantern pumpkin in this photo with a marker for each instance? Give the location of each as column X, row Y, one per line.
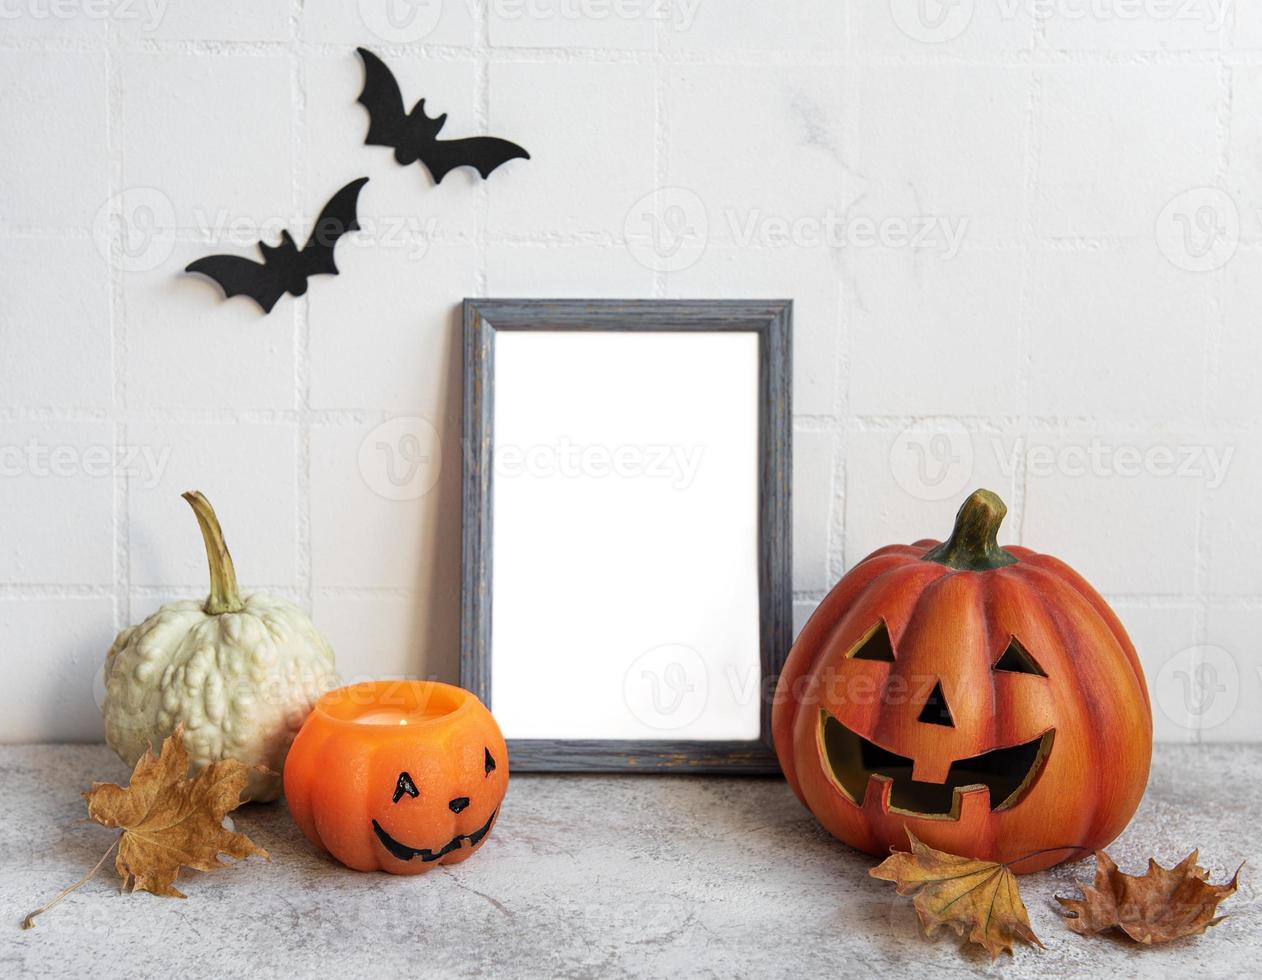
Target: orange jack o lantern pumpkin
column 986, row 699
column 397, row 776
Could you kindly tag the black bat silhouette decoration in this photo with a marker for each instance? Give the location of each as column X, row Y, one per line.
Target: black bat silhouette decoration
column 284, row 268
column 414, row 135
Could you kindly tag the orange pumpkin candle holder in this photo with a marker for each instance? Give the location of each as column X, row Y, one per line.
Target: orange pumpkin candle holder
column 397, row 776
column 987, row 699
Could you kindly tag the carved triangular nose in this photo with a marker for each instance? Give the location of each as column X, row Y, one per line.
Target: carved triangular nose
column 935, row 711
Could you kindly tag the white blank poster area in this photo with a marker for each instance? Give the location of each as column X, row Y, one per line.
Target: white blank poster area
column 625, row 536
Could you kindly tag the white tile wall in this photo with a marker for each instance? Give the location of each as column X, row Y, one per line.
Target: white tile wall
column 54, row 122
column 1116, row 142
column 1092, row 311
column 1247, row 25
column 1165, row 636
column 547, row 24
column 964, row 29
column 811, row 276
column 597, row 158
column 370, row 22
column 808, row 25
column 787, row 166
column 386, row 334
column 57, row 497
column 571, row 270
column 224, row 20
column 248, row 473
column 362, row 538
column 948, row 323
column 813, row 464
column 53, row 656
column 56, row 367
column 968, row 160
column 1091, row 482
column 1224, row 685
column 212, row 132
column 211, row 355
column 1023, row 242
column 1243, row 166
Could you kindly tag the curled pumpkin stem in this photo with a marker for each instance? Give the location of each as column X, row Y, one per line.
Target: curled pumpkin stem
column 224, row 597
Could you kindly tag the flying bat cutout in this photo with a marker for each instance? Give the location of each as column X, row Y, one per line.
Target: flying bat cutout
column 414, row 135
column 284, row 268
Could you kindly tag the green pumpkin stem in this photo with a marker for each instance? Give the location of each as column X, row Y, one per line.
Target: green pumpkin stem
column 224, row 597
column 972, row 545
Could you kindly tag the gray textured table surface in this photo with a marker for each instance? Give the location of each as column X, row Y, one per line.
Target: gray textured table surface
column 587, row 877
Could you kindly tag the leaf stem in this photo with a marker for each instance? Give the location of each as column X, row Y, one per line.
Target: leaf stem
column 29, row 921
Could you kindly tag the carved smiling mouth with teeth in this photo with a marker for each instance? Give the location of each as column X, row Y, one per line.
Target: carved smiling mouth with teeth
column 405, row 852
column 859, row 766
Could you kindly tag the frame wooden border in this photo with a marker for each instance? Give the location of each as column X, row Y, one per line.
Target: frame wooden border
column 772, row 321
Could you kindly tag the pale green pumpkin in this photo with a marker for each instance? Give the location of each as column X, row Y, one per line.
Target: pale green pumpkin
column 241, row 673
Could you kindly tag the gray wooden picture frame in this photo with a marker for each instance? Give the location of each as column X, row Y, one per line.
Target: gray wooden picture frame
column 771, row 320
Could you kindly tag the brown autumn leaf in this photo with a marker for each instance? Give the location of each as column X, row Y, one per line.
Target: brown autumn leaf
column 1164, row 904
column 168, row 820
column 977, row 897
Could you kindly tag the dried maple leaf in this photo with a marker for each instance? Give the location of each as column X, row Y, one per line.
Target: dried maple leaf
column 1164, row 904
column 168, row 820
column 980, row 897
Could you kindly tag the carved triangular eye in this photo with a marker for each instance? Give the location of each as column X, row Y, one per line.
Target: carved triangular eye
column 405, row 786
column 935, row 711
column 1017, row 660
column 875, row 646
column 489, row 762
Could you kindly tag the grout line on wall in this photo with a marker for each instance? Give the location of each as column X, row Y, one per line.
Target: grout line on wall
column 597, row 238
column 114, row 109
column 1020, row 488
column 481, row 50
column 482, row 115
column 33, row 590
column 1216, row 321
column 301, row 319
column 1047, row 425
column 661, row 157
column 1001, row 425
column 835, row 529
column 1062, row 424
column 197, row 590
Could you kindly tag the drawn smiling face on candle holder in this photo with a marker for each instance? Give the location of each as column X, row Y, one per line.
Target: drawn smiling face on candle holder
column 459, row 847
column 398, row 776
